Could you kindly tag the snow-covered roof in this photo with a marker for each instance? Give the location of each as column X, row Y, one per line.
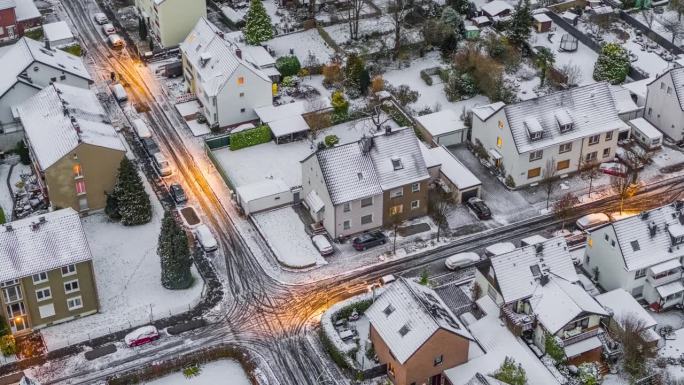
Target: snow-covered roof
column 453, row 169
column 262, row 189
column 646, row 128
column 569, row 15
column 639, row 248
column 407, row 314
column 622, row 304
column 533, row 239
column 623, row 100
column 271, row 113
column 57, row 31
column 442, row 122
column 314, row 201
column 541, row 18
column 26, row 10
column 484, row 112
column 558, row 302
column 25, row 52
column 258, row 55
column 670, row 288
column 639, row 87
column 496, row 7
column 430, row 161
column 287, row 126
column 581, row 104
column 666, row 266
column 677, row 75
column 7, row 4
column 213, row 56
column 397, row 159
column 232, row 15
column 500, row 248
column 60, row 117
column 518, row 272
column 583, row 346
column 29, row 246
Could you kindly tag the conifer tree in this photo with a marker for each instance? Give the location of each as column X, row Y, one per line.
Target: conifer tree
column 132, row 202
column 520, row 27
column 612, row 64
column 258, row 27
column 174, row 252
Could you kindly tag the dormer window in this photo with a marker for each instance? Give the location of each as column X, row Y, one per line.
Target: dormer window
column 404, row 330
column 534, row 128
column 676, row 233
column 564, row 120
column 396, row 164
column 566, row 127
column 388, row 310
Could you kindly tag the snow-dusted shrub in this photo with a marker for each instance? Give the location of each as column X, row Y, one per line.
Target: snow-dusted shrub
column 589, row 374
column 247, row 138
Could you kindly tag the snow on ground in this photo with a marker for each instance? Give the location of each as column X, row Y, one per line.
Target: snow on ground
column 430, row 96
column 340, row 32
column 5, row 195
column 128, row 277
column 302, row 43
column 658, row 20
column 222, row 372
column 286, row 235
column 584, row 57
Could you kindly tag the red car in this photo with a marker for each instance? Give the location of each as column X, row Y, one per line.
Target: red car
column 612, row 168
column 141, row 336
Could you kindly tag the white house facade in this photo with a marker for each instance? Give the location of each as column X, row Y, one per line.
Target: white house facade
column 641, row 255
column 664, row 104
column 170, row 21
column 227, row 86
column 558, row 132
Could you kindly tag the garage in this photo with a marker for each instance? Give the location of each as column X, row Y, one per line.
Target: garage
column 465, row 195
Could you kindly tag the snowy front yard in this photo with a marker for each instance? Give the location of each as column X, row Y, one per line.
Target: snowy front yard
column 128, row 277
column 222, row 372
column 302, row 44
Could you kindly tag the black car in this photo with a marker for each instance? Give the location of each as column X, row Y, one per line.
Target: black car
column 177, row 193
column 368, row 240
column 479, row 208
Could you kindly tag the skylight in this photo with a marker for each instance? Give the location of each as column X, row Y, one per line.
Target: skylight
column 388, row 310
column 396, row 163
column 404, row 330
column 635, row 245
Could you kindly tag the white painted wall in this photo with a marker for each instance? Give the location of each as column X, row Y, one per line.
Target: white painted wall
column 257, row 92
column 355, row 214
column 612, row 271
column 312, row 179
column 177, row 18
column 663, row 109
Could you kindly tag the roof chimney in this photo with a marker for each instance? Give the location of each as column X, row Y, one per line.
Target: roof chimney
column 238, row 53
column 8, row 227
column 41, row 219
column 47, row 44
column 388, row 130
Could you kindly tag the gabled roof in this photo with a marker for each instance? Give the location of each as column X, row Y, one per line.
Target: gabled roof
column 621, row 304
column 348, row 173
column 407, row 314
column 580, row 103
column 25, row 51
column 484, row 112
column 677, row 75
column 60, row 117
column 7, row 4
column 638, row 247
column 518, row 272
column 26, row 10
column 29, row 246
column 558, row 302
column 213, row 56
column 397, row 159
column 496, row 7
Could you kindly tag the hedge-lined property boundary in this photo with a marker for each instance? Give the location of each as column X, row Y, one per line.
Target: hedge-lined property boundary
column 251, row 137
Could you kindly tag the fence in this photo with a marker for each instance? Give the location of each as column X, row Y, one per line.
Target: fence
column 218, row 166
column 631, row 20
column 218, row 142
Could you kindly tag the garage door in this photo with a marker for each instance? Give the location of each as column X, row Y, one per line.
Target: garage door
column 465, row 195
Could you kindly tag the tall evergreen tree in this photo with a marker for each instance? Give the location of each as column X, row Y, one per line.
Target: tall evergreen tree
column 452, row 20
column 142, row 28
column 134, row 206
column 520, row 26
column 258, row 27
column 174, row 252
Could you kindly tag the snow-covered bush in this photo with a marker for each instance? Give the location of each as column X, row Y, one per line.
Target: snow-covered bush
column 554, row 348
column 288, row 65
column 588, row 374
column 612, row 64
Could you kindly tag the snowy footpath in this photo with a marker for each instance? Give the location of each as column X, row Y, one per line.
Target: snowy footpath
column 222, row 372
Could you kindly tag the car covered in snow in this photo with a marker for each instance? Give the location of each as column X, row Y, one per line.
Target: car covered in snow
column 460, row 260
column 322, row 244
column 592, row 220
column 206, row 238
column 108, row 29
column 368, row 240
column 499, row 248
column 101, row 18
column 141, row 336
column 479, row 208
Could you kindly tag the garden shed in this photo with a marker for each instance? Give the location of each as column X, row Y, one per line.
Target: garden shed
column 263, row 195
column 542, row 23
column 444, row 127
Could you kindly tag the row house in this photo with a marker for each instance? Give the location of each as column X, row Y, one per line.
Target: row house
column 641, row 254
column 75, row 150
column 536, row 288
column 226, row 84
column 549, row 136
column 170, row 21
column 16, row 16
column 362, row 185
column 46, row 271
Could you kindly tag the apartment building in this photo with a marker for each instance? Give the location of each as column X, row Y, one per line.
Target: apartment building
column 170, row 21
column 665, row 104
column 555, row 133
column 74, row 149
column 46, row 271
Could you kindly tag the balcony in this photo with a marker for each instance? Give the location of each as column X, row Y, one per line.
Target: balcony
column 578, row 334
column 517, row 322
column 665, row 277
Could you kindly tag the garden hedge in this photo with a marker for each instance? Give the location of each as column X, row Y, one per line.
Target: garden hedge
column 248, row 138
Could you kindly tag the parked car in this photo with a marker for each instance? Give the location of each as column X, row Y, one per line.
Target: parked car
column 613, row 168
column 322, row 244
column 479, row 208
column 141, row 336
column 460, row 260
column 119, row 93
column 368, row 240
column 116, row 41
column 592, row 220
column 162, row 165
column 177, row 193
column 206, row 238
column 108, row 29
column 141, row 128
column 499, row 248
column 101, row 18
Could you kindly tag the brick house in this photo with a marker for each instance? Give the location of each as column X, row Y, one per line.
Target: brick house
column 16, row 16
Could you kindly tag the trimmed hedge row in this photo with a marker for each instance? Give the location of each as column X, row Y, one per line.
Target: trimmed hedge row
column 248, row 138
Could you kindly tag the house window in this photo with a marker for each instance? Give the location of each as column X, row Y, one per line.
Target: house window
column 16, row 310
column 80, row 187
column 499, row 142
column 594, row 139
column 242, row 94
column 501, row 124
column 641, row 273
column 43, row 294
column 346, row 207
column 438, row 360
column 638, row 291
column 63, row 77
column 563, row 164
column 53, row 80
column 40, row 278
column 71, row 286
column 241, row 80
column 46, row 310
column 78, row 171
column 415, row 205
column 606, row 152
column 415, row 187
column 367, row 219
column 669, row 90
column 533, row 172
column 242, row 110
column 612, row 243
column 68, row 270
column 397, row 164
column 397, row 193
column 609, row 136
column 590, row 156
column 398, row 209
column 536, row 155
column 662, row 85
column 565, row 147
column 12, row 294
column 650, row 110
column 388, row 310
column 346, row 225
column 75, row 303
column 365, row 202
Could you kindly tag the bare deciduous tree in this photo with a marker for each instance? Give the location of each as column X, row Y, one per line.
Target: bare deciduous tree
column 636, row 350
column 562, row 208
column 636, row 158
column 673, row 27
column 572, row 73
column 648, row 16
column 395, row 223
column 590, row 169
column 354, row 9
column 548, row 179
column 439, row 207
column 317, row 118
column 623, row 189
column 398, row 10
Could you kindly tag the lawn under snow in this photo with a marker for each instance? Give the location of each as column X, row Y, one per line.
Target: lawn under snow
column 222, row 372
column 128, row 277
column 302, row 43
column 285, row 234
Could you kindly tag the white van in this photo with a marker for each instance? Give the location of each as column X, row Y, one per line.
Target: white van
column 119, row 93
column 163, row 165
column 592, row 220
column 322, row 244
column 206, row 238
column 108, row 29
column 460, row 260
column 116, row 41
column 141, row 128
